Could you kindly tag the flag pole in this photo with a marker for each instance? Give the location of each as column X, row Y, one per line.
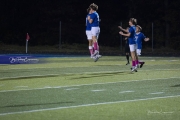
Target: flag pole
column 27, row 39
column 26, row 46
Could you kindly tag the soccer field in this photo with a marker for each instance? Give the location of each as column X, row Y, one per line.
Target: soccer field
column 76, row 88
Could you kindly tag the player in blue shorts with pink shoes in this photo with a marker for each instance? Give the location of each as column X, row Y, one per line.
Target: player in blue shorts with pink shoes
column 139, row 37
column 93, row 19
column 132, row 42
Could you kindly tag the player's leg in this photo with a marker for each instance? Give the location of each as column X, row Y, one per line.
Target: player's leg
column 137, row 59
column 127, row 51
column 89, row 37
column 133, row 56
column 95, row 31
column 140, row 62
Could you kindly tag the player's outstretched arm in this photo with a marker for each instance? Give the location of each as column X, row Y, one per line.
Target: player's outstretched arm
column 124, row 30
column 127, row 34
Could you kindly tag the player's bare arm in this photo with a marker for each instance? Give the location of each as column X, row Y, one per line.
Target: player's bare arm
column 89, row 19
column 127, row 34
column 124, row 30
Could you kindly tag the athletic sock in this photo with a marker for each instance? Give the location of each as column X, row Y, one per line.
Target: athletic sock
column 91, row 50
column 133, row 64
column 95, row 46
column 140, row 62
column 136, row 62
column 127, row 57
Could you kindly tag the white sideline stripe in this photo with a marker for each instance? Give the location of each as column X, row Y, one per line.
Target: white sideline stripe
column 97, row 90
column 87, row 105
column 126, row 91
column 157, row 93
column 56, row 87
column 28, row 76
column 72, row 89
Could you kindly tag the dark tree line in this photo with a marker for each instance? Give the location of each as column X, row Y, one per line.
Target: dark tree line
column 40, row 18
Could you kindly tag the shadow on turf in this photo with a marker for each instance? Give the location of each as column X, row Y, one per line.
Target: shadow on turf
column 176, row 85
column 102, row 75
column 28, row 105
column 28, row 77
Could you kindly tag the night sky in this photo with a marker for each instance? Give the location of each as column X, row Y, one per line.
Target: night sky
column 41, row 18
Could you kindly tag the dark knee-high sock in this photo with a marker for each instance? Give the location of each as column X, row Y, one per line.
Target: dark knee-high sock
column 127, row 57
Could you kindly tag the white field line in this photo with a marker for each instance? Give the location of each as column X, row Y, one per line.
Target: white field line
column 97, row 90
column 57, row 87
column 157, row 93
column 72, row 89
column 88, row 105
column 126, row 91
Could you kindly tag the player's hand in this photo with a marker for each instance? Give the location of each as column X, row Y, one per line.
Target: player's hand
column 121, row 32
column 120, row 27
column 88, row 18
column 146, row 39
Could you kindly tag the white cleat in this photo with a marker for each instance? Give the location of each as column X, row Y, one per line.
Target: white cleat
column 134, row 69
column 96, row 53
column 97, row 58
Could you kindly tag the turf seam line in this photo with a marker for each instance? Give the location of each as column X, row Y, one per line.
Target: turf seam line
column 88, row 105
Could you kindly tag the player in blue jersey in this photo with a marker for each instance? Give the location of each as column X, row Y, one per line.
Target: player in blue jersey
column 139, row 37
column 89, row 34
column 93, row 19
column 132, row 42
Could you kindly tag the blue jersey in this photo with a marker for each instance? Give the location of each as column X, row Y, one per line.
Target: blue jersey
column 88, row 25
column 95, row 17
column 131, row 38
column 139, row 37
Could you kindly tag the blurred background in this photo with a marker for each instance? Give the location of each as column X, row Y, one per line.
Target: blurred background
column 41, row 19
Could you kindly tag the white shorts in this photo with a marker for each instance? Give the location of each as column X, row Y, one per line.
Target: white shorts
column 95, row 31
column 89, row 35
column 133, row 47
column 138, row 51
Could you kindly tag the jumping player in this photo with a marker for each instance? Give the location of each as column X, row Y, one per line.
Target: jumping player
column 93, row 19
column 89, row 34
column 139, row 37
column 132, row 42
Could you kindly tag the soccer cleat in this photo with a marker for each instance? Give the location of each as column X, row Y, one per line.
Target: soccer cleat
column 134, row 69
column 127, row 63
column 97, row 58
column 96, row 53
column 142, row 64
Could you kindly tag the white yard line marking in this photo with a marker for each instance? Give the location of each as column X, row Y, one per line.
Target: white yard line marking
column 56, row 87
column 173, row 60
column 97, row 90
column 157, row 93
column 88, row 105
column 126, row 91
column 72, row 89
